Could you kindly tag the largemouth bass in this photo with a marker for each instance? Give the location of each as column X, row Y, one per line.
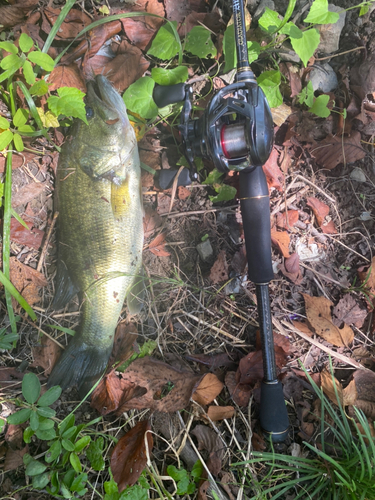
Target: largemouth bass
column 100, row 232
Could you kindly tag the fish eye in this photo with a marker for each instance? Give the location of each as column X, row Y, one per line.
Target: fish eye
column 89, row 112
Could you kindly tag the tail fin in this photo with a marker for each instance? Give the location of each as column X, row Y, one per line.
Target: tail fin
column 80, row 365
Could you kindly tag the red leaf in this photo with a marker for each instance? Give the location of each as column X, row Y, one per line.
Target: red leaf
column 275, row 177
column 219, row 271
column 31, row 237
column 157, row 246
column 286, row 220
column 129, row 457
column 281, row 240
column 321, row 210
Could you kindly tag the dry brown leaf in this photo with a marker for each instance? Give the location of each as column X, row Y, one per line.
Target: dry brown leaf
column 349, row 311
column 286, row 220
column 213, row 360
column 157, row 246
column 27, row 193
column 258, row 442
column 11, row 15
column 291, row 269
column 183, row 193
column 303, row 327
column 250, row 369
column 318, row 312
column 46, row 354
column 10, row 375
column 281, row 240
column 124, row 343
column 365, row 384
column 280, row 114
column 219, row 271
column 31, row 237
column 239, row 261
column 239, row 393
column 129, row 456
column 14, row 436
column 275, row 177
column 74, row 22
column 349, row 394
column 210, row 441
column 151, row 222
column 158, row 378
column 321, row 210
column 216, row 413
column 66, row 76
column 14, row 458
column 335, row 150
column 27, row 280
column 329, row 388
column 208, row 389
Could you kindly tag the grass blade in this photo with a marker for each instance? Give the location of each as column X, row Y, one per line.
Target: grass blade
column 55, row 28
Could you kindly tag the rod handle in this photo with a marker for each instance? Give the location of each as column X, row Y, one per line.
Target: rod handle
column 273, row 412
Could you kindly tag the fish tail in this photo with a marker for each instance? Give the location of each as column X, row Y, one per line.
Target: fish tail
column 79, row 365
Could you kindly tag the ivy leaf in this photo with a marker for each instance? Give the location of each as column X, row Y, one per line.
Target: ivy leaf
column 319, row 13
column 95, row 454
column 69, row 103
column 199, row 42
column 5, row 139
column 253, row 51
column 18, row 142
column 170, row 76
column 20, row 118
column 224, row 193
column 25, row 42
column 4, row 123
column 138, row 98
column 269, row 82
column 28, row 72
column 48, row 118
column 306, row 95
column 39, row 88
column 9, row 47
column 304, row 42
column 41, row 59
column 269, row 21
column 319, row 108
column 164, row 46
column 213, row 176
column 135, row 492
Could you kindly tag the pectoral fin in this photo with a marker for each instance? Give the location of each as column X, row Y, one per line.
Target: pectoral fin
column 65, row 288
column 135, row 296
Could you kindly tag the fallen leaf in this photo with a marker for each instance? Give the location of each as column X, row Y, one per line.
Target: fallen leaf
column 46, row 354
column 250, row 369
column 31, row 237
column 219, row 271
column 18, row 159
column 27, row 193
column 329, row 387
column 291, row 269
column 318, row 312
column 177, row 11
column 210, row 441
column 74, row 22
column 321, row 211
column 14, row 436
column 164, row 202
column 365, row 385
column 11, row 15
column 213, row 360
column 129, row 456
column 208, row 389
column 239, row 393
column 123, row 347
column 258, row 442
column 303, row 327
column 348, row 310
column 349, row 394
column 10, row 375
column 202, row 490
column 156, row 378
column 216, row 413
column 280, row 114
column 27, row 280
column 14, row 458
column 183, row 193
column 157, row 246
column 66, row 76
column 275, row 177
column 286, row 220
column 151, row 222
column 281, row 240
column 239, row 261
column 335, row 150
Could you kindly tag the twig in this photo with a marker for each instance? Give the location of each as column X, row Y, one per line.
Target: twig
column 197, row 212
column 46, row 243
column 42, row 331
column 341, row 54
column 214, row 328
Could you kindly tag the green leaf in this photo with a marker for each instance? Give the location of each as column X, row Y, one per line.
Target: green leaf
column 4, row 123
column 28, row 433
column 67, row 423
column 79, row 483
column 191, row 488
column 95, row 454
column 39, row 88
column 5, row 138
column 197, row 470
column 46, row 423
column 50, row 396
column 67, row 444
column 30, row 387
column 306, row 96
column 34, row 468
column 183, row 485
column 25, row 42
column 18, row 142
column 6, row 341
column 63, row 329
column 9, row 47
column 253, row 51
column 304, row 43
column 43, row 60
column 224, row 193
column 319, row 107
column 26, row 129
column 135, row 492
column 45, row 411
column 82, row 443
column 199, row 43
column 289, row 12
column 319, row 13
column 20, row 416
column 76, row 464
column 176, row 474
column 138, row 98
column 53, row 452
column 34, row 420
column 45, row 435
column 28, row 72
column 170, row 76
column 269, row 82
column 20, row 118
column 364, row 9
column 11, row 62
column 69, row 103
column 269, row 22
column 69, row 432
column 41, row 480
column 229, row 49
column 164, row 46
column 213, row 176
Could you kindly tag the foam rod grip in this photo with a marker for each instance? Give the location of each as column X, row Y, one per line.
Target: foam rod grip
column 273, row 412
column 168, row 94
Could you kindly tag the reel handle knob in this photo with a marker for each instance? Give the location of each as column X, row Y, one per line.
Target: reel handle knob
column 168, row 94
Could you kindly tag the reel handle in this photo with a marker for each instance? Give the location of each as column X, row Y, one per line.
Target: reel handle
column 168, row 94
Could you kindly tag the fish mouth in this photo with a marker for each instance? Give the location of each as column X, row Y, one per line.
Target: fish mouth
column 106, row 98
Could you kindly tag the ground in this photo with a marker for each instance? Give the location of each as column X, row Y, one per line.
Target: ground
column 200, row 387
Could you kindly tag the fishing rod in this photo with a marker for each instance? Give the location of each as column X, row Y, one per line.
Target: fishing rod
column 236, row 133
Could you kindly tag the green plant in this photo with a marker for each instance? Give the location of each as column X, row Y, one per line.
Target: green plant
column 137, row 492
column 186, row 481
column 340, row 468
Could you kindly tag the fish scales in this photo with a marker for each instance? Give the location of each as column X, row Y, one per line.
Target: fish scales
column 100, row 231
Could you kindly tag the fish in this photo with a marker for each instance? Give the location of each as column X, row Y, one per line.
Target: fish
column 98, row 197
